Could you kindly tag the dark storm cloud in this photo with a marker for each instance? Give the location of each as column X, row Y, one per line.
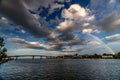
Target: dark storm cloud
column 36, row 45
column 15, row 11
column 57, row 47
column 34, row 4
column 110, row 22
column 26, row 44
column 78, row 42
column 18, row 12
column 108, row 14
column 66, row 36
column 65, row 39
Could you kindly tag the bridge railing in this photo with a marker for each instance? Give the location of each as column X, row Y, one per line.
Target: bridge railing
column 32, row 56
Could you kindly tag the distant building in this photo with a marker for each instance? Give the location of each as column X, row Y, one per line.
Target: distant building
column 107, row 56
column 59, row 57
column 86, row 56
column 77, row 56
column 95, row 56
column 68, row 56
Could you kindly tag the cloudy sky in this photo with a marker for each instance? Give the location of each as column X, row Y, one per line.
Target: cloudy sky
column 54, row 27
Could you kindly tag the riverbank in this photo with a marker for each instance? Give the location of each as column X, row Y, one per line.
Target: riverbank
column 3, row 60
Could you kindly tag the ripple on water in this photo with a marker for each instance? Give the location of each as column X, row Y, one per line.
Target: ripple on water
column 69, row 69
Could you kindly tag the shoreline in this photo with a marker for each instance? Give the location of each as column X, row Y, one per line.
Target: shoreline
column 3, row 60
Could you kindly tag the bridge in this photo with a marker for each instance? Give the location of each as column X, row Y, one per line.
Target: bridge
column 32, row 56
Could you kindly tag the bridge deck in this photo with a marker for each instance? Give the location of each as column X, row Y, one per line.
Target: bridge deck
column 27, row 55
column 32, row 56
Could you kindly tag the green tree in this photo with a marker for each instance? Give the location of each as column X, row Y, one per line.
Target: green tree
column 3, row 50
column 117, row 55
column 104, row 54
column 95, row 54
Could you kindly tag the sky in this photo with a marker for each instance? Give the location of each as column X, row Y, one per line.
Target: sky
column 55, row 27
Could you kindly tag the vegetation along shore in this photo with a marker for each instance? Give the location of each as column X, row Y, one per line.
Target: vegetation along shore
column 3, row 50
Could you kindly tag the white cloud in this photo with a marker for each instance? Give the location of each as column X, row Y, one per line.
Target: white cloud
column 23, row 31
column 65, row 25
column 55, row 6
column 75, row 11
column 53, row 35
column 16, row 40
column 114, row 37
column 87, row 31
column 3, row 20
column 112, row 2
column 76, row 18
column 90, row 18
column 86, row 24
column 94, row 43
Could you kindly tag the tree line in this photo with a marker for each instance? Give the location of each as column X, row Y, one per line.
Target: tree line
column 3, row 50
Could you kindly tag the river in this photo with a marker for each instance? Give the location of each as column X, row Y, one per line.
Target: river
column 64, row 69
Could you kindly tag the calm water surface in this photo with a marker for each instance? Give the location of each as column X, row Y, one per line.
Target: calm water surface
column 68, row 69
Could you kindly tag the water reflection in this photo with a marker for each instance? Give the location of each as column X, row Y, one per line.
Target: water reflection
column 69, row 69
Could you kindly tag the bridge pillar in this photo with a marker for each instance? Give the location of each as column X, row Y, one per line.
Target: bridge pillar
column 16, row 57
column 9, row 58
column 40, row 57
column 63, row 57
column 33, row 57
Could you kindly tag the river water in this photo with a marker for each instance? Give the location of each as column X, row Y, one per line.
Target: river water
column 64, row 69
